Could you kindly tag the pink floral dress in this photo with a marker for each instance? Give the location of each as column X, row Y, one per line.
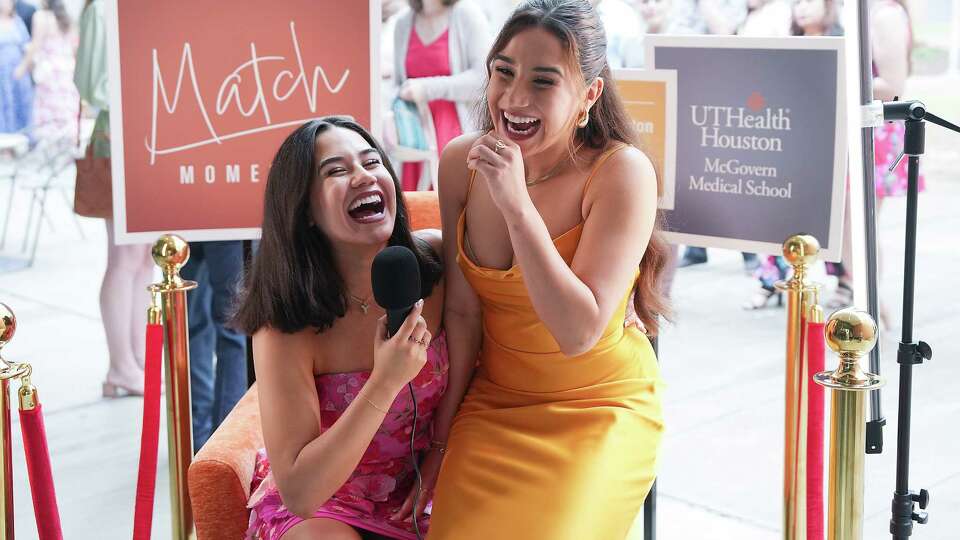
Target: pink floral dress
column 887, row 145
column 384, row 476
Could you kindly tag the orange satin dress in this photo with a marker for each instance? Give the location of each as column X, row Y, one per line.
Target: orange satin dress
column 546, row 446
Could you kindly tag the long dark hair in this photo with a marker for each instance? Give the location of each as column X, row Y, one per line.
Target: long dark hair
column 294, row 282
column 64, row 22
column 577, row 25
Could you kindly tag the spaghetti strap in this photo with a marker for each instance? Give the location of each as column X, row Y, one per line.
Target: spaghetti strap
column 473, row 176
column 600, row 160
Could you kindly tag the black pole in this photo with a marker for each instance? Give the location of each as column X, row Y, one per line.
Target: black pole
column 247, row 258
column 909, row 352
column 874, row 437
column 650, row 504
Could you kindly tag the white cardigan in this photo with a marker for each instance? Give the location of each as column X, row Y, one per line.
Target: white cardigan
column 470, row 39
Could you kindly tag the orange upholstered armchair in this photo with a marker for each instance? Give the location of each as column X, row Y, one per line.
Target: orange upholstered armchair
column 219, row 477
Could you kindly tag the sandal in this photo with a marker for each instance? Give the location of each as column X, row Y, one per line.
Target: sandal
column 761, row 297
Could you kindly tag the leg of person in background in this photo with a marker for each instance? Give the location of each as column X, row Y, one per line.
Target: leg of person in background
column 202, row 340
column 693, row 255
column 771, row 270
column 843, row 294
column 225, row 266
column 141, row 300
column 117, row 302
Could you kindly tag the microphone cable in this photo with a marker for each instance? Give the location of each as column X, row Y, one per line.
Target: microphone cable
column 416, row 465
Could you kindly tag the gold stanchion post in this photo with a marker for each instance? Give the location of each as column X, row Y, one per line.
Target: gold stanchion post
column 800, row 251
column 8, row 371
column 852, row 334
column 170, row 253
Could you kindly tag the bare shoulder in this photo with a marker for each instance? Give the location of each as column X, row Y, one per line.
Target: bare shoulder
column 888, row 13
column 272, row 347
column 459, row 147
column 434, row 237
column 627, row 169
column 453, row 167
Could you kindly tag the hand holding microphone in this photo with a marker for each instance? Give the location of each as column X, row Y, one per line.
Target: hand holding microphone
column 400, row 346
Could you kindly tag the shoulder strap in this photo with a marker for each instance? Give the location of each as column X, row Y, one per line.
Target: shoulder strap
column 599, row 162
column 473, row 176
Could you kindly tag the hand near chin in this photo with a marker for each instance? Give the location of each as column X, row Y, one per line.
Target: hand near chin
column 499, row 162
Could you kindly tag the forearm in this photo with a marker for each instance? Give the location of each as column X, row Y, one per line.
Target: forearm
column 884, row 90
column 555, row 291
column 463, row 86
column 325, row 464
column 464, row 333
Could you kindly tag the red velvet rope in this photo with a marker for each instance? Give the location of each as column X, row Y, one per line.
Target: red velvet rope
column 150, row 436
column 41, row 476
column 816, row 350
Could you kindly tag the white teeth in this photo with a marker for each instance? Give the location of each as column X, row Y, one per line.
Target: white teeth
column 519, row 119
column 365, row 200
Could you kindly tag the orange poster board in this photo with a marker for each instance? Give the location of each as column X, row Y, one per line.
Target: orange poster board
column 650, row 98
column 202, row 93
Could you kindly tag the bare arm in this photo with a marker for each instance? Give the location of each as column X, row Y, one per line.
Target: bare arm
column 41, row 26
column 461, row 307
column 309, row 467
column 891, row 51
column 618, row 227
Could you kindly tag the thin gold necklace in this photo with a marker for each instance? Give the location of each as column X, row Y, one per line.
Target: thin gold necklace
column 553, row 170
column 364, row 302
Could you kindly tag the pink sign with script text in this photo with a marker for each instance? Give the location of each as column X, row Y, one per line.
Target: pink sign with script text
column 203, row 92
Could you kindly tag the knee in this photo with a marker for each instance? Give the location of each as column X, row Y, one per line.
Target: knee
column 327, row 529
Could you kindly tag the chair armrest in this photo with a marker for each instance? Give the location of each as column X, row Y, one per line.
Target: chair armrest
column 220, row 474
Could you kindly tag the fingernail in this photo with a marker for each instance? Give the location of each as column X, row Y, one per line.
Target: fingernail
column 420, row 302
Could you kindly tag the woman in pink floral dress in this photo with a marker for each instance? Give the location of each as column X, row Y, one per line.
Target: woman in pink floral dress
column 336, row 414
column 50, row 60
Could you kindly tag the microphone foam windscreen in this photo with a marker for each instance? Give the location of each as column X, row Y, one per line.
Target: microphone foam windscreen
column 396, row 278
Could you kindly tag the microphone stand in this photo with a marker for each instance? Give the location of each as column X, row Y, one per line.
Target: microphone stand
column 910, row 352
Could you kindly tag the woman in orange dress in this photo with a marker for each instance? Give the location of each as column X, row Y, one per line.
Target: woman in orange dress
column 551, row 215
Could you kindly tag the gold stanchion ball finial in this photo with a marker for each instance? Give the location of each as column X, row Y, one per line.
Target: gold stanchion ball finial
column 171, row 252
column 849, row 331
column 8, row 324
column 801, row 250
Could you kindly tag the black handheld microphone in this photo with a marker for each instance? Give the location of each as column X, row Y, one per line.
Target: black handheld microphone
column 396, row 284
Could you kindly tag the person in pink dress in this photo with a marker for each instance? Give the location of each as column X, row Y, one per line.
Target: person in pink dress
column 440, row 52
column 50, row 60
column 891, row 47
column 337, row 417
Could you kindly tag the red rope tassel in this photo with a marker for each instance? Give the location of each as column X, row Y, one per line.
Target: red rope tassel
column 150, row 436
column 816, row 350
column 40, row 474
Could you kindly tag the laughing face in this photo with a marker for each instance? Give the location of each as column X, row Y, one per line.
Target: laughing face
column 353, row 198
column 534, row 94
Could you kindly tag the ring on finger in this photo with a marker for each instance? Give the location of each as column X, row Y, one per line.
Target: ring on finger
column 499, row 146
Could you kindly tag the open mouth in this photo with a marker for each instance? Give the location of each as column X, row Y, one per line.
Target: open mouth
column 367, row 207
column 520, row 127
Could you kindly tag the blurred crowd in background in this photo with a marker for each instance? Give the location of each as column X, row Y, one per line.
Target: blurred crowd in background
column 433, row 68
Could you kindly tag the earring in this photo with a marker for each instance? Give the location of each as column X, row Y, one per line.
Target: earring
column 584, row 119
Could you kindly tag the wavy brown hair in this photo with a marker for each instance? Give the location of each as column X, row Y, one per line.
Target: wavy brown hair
column 576, row 24
column 294, row 282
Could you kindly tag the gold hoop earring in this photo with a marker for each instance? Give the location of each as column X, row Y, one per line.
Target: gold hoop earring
column 584, row 119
